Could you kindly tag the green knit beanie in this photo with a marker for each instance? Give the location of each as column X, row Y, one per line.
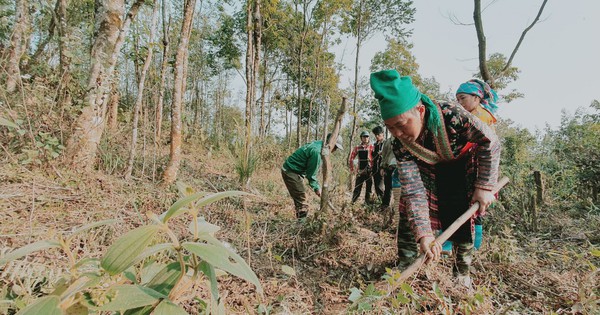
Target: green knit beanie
column 397, row 95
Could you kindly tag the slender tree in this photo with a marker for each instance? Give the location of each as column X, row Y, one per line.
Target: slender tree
column 178, row 89
column 368, row 17
column 140, row 95
column 17, row 46
column 63, row 97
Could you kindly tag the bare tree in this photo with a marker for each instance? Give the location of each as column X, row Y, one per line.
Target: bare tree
column 17, row 45
column 325, row 156
column 178, row 89
column 140, row 96
column 112, row 29
column 63, row 98
column 83, row 143
column 483, row 65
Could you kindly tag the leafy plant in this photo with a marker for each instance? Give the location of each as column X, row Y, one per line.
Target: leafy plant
column 113, row 283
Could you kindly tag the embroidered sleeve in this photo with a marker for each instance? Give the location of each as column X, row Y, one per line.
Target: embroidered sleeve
column 488, row 147
column 414, row 195
column 414, row 198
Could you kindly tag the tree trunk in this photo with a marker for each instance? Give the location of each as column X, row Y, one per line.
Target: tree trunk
column 42, row 45
column 299, row 80
column 83, row 144
column 249, row 76
column 178, row 90
column 63, row 97
column 355, row 98
column 140, row 96
column 113, row 108
column 17, row 46
column 483, row 68
column 315, row 87
column 262, row 128
column 163, row 75
column 253, row 29
column 325, row 153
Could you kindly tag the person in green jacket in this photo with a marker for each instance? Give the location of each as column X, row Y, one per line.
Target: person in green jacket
column 304, row 162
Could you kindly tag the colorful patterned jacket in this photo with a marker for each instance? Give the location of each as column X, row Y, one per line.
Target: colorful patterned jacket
column 416, row 163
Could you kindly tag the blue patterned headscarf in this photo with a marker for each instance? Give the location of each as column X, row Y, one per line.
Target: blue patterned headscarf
column 483, row 90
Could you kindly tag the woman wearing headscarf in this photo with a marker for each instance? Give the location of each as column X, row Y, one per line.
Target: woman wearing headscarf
column 480, row 100
column 438, row 182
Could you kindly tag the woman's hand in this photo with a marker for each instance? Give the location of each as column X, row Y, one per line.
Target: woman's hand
column 430, row 248
column 485, row 199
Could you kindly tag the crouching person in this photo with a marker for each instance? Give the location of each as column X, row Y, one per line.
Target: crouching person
column 304, row 162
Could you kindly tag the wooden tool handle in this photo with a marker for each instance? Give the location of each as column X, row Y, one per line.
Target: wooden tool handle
column 450, row 230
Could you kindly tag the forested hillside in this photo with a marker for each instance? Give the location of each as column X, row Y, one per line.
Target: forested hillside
column 142, row 143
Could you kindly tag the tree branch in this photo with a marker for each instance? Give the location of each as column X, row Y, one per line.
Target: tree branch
column 514, row 52
column 483, row 68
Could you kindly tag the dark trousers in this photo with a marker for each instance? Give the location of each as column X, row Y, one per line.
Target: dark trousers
column 387, row 192
column 362, row 177
column 378, row 182
column 295, row 186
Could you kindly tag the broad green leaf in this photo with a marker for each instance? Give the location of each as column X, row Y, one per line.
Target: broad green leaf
column 218, row 196
column 355, row 294
column 124, row 251
column 47, row 305
column 209, row 271
column 168, row 308
column 129, row 273
column 407, row 288
column 402, row 299
column 128, row 296
column 152, row 250
column 479, row 298
column 595, row 252
column 288, row 270
column 95, row 262
column 204, row 227
column 146, row 310
column 77, row 309
column 221, row 257
column 27, row 249
column 365, row 306
column 164, row 281
column 92, row 225
column 149, row 270
column 7, row 123
column 437, row 291
column 179, row 206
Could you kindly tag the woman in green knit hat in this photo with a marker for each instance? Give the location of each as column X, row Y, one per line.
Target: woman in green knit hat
column 438, row 183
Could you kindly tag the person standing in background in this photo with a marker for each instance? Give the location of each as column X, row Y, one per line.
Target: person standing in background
column 364, row 152
column 378, row 175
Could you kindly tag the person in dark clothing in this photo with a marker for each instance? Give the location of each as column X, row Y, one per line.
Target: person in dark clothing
column 387, row 166
column 304, row 162
column 378, row 175
column 364, row 152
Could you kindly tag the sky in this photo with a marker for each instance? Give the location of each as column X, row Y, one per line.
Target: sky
column 559, row 58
